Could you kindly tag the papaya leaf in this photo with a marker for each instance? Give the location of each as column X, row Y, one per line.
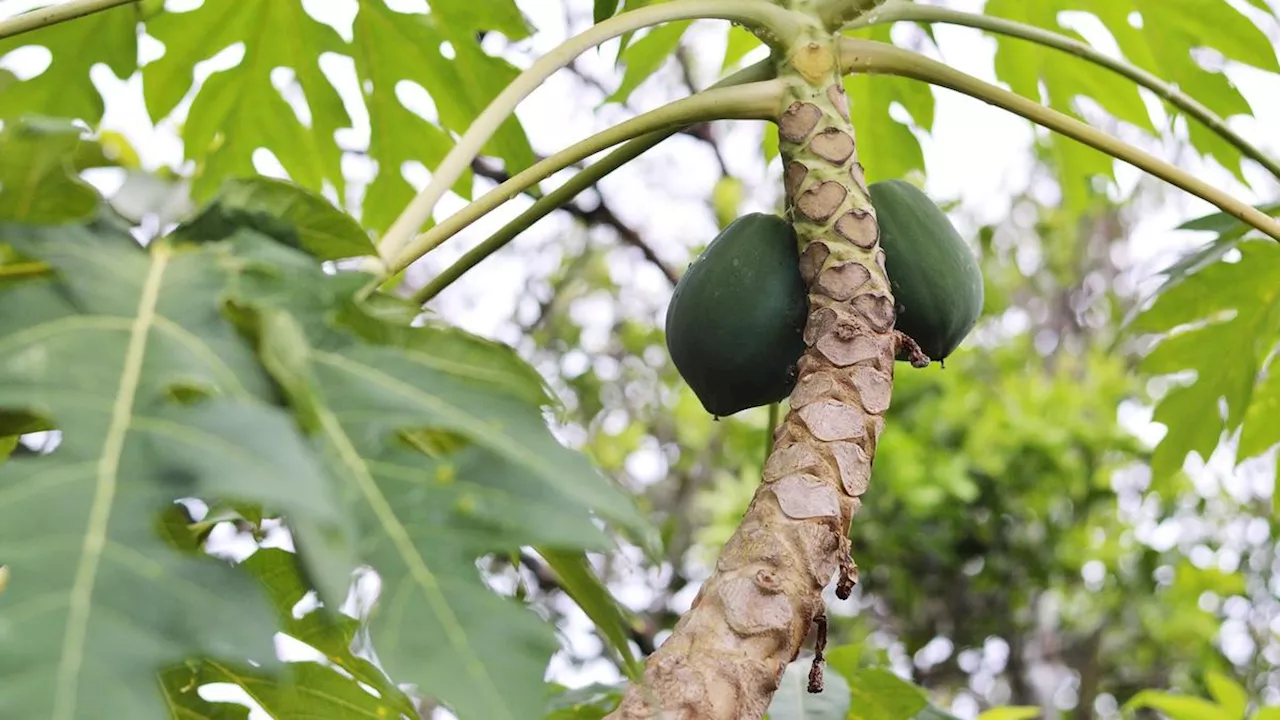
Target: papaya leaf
column 236, row 111
column 886, row 147
column 793, row 701
column 467, row 16
column 1233, row 313
column 157, row 398
column 1179, row 707
column 307, row 690
column 38, row 178
column 646, row 56
column 1027, row 67
column 579, row 582
column 64, row 89
column 440, row 467
column 289, row 213
column 181, row 685
column 740, row 43
column 1230, row 230
column 1171, row 30
column 393, row 48
column 603, row 10
column 332, row 634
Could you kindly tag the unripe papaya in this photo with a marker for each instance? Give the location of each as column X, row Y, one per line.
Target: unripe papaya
column 736, row 319
column 735, row 323
column 934, row 276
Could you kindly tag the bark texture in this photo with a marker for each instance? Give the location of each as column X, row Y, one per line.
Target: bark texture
column 726, row 656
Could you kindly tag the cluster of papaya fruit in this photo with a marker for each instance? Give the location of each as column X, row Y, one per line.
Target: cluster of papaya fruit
column 735, row 323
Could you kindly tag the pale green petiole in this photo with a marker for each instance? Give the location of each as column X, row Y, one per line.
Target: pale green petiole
column 864, row 56
column 756, row 101
column 765, row 18
column 586, row 178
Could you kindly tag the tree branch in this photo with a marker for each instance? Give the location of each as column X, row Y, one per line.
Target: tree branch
column 602, row 214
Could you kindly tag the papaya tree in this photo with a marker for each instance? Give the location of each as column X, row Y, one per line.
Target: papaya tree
column 259, row 363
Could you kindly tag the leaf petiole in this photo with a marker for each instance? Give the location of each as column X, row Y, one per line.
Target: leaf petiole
column 912, row 12
column 758, row 101
column 876, row 58
column 767, row 19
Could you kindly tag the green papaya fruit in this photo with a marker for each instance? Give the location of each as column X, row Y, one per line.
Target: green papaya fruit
column 735, row 323
column 934, row 276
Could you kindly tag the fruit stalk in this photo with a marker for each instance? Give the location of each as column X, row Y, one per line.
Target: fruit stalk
column 727, row 654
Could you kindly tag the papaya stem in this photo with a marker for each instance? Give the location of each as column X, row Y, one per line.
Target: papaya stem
column 911, row 12
column 756, row 101
column 54, row 14
column 865, row 56
column 634, row 148
column 769, row 20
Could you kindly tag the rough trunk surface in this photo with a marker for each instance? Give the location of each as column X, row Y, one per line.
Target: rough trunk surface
column 727, row 654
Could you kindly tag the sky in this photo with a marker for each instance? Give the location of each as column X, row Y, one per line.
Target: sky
column 976, row 154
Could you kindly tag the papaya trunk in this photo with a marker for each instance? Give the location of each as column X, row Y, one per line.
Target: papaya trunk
column 727, row 654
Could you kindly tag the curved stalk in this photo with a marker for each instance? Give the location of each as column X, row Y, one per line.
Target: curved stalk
column 756, row 101
column 866, row 56
column 54, row 14
column 835, row 13
column 769, row 20
column 536, row 212
column 912, row 12
column 633, row 149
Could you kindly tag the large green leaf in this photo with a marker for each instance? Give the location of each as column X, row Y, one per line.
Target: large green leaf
column 393, row 47
column 287, row 212
column 238, row 110
column 1223, row 322
column 439, row 466
column 64, row 88
column 156, row 398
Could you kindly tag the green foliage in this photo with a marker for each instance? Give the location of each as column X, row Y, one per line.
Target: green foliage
column 288, row 213
column 1222, row 324
column 234, row 369
column 239, row 110
column 1163, row 44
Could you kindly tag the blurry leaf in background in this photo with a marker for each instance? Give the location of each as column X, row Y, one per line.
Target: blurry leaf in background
column 1222, row 323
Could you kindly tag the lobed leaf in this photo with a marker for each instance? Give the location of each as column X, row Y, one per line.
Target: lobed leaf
column 156, row 398
column 1233, row 313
